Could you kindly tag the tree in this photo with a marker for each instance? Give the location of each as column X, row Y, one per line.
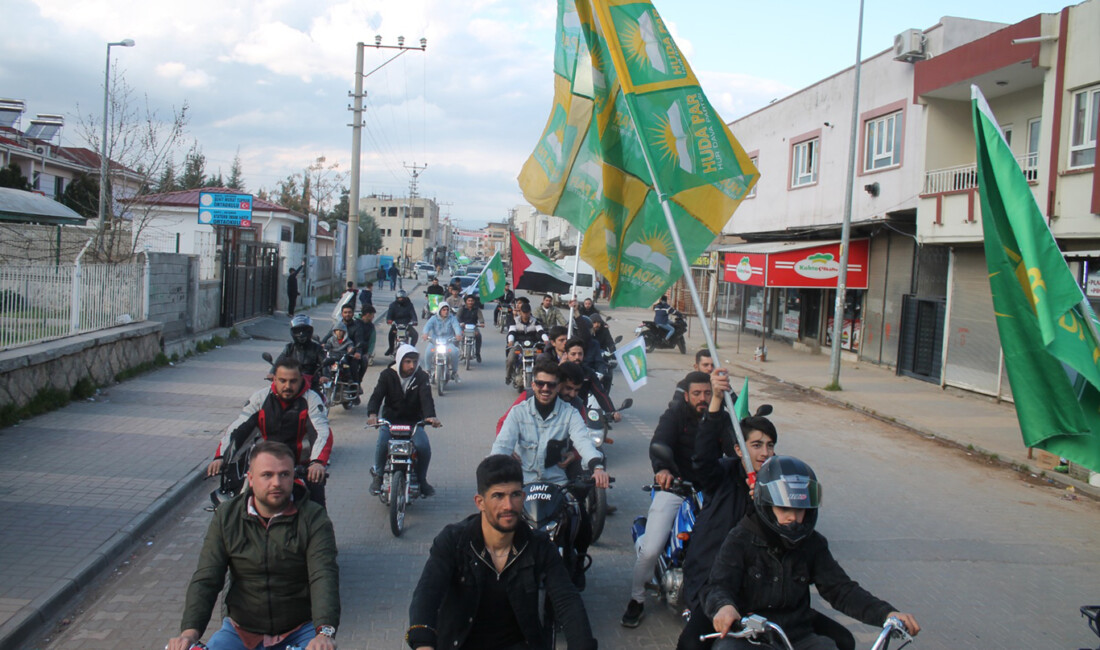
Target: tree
column 12, row 176
column 82, row 195
column 215, row 181
column 236, row 176
column 167, row 181
column 140, row 143
column 194, row 168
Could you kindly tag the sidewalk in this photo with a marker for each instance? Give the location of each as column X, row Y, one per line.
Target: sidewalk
column 82, row 485
column 958, row 417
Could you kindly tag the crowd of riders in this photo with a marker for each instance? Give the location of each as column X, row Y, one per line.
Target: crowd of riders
column 754, row 548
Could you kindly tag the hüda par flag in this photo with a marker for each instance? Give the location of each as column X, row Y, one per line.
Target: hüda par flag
column 741, row 406
column 490, row 284
column 533, row 271
column 1046, row 327
column 632, row 361
column 631, row 126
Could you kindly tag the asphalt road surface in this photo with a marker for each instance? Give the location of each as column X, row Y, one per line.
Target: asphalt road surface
column 981, row 557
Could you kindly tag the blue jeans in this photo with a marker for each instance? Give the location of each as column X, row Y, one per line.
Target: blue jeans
column 226, row 638
column 423, row 451
column 668, row 327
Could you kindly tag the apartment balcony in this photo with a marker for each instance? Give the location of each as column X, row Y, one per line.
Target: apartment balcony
column 965, row 177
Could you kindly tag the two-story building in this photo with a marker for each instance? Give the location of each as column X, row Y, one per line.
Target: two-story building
column 408, row 225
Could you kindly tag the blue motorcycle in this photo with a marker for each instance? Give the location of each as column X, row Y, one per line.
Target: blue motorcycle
column 669, row 572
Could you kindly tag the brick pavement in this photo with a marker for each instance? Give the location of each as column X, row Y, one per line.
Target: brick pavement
column 964, row 546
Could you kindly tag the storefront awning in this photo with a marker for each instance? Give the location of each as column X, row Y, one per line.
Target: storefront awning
column 796, row 265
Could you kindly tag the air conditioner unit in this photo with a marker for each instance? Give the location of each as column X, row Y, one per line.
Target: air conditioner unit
column 40, row 150
column 910, row 46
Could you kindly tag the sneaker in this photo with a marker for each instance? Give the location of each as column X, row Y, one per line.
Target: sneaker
column 478, row 357
column 635, row 612
column 376, row 484
column 426, row 490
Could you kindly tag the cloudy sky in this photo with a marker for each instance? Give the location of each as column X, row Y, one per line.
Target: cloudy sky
column 271, row 77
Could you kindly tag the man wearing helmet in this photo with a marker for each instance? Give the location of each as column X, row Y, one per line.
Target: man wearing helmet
column 309, row 353
column 767, row 563
column 401, row 312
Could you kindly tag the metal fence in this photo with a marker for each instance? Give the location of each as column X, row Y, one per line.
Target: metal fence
column 965, row 177
column 39, row 302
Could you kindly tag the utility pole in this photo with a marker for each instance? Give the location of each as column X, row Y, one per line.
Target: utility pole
column 357, row 140
column 415, row 172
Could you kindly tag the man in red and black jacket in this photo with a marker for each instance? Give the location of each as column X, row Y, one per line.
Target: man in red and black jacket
column 288, row 413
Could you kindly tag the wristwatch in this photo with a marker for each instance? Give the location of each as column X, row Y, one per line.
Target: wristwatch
column 326, row 630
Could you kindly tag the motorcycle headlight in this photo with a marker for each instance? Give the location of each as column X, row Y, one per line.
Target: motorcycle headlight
column 441, row 348
column 401, row 447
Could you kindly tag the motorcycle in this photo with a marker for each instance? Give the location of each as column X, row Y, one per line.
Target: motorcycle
column 439, row 370
column 599, row 423
column 500, row 317
column 469, row 343
column 402, row 334
column 669, row 572
column 654, row 336
column 759, row 630
column 340, row 385
column 522, row 376
column 399, row 484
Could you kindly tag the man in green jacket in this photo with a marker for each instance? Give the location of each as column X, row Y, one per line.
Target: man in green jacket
column 281, row 551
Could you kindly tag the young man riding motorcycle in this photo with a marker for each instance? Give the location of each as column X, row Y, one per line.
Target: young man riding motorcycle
column 284, row 412
column 526, row 328
column 662, row 314
column 407, row 394
column 538, row 432
column 443, row 325
column 401, row 312
column 574, row 353
column 549, row 315
column 676, row 430
column 361, row 336
column 470, row 314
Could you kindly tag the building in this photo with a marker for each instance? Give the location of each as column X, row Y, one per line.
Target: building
column 918, row 294
column 496, row 239
column 548, row 233
column 409, row 225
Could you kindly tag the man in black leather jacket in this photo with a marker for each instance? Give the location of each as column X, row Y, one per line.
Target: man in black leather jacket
column 309, row 353
column 480, row 585
column 401, row 311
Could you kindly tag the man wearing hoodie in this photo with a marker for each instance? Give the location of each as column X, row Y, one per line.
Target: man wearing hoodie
column 444, row 325
column 403, row 395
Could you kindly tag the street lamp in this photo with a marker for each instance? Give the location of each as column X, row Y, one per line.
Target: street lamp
column 127, row 42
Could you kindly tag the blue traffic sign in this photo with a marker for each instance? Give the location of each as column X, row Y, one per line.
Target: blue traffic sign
column 217, row 209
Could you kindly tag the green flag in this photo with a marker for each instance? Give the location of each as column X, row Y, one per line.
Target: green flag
column 741, row 406
column 632, row 361
column 1047, row 329
column 490, row 284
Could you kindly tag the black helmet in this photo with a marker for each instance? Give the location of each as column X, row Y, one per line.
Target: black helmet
column 301, row 329
column 402, row 294
column 787, row 482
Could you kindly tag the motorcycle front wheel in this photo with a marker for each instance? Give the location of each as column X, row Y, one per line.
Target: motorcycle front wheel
column 440, row 379
column 469, row 353
column 596, row 503
column 398, row 499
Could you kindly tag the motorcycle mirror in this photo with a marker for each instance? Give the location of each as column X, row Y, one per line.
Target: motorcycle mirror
column 763, row 410
column 627, row 403
column 267, row 357
column 663, row 453
column 619, row 339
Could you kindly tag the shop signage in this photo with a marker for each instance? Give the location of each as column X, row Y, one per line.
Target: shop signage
column 807, row 268
column 1092, row 290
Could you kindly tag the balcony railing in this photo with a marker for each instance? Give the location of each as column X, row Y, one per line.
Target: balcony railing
column 965, row 177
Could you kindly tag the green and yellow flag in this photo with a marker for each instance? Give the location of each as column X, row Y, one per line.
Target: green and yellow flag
column 491, row 281
column 1047, row 328
column 631, row 126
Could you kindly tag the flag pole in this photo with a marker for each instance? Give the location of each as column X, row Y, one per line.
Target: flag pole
column 686, row 269
column 576, row 269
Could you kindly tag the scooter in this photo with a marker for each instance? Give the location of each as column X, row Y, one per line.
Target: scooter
column 399, row 484
column 669, row 572
column 654, row 336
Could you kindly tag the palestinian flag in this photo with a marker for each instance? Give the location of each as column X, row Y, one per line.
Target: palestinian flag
column 533, row 271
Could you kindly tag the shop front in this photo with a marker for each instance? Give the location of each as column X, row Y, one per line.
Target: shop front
column 787, row 289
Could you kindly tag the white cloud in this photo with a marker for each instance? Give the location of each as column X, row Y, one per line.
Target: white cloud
column 186, row 78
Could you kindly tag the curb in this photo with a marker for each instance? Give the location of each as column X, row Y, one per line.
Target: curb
column 1060, row 479
column 36, row 618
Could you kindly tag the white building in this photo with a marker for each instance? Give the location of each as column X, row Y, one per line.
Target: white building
column 409, row 225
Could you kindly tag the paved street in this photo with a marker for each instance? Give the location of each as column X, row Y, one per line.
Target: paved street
column 982, row 558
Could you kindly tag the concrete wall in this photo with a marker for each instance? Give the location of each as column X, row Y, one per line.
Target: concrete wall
column 60, row 364
column 178, row 299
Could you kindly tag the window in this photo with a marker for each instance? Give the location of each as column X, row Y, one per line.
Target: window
column 1031, row 162
column 287, row 234
column 393, row 211
column 804, row 163
column 418, row 233
column 752, row 192
column 1082, row 141
column 882, row 144
column 418, row 213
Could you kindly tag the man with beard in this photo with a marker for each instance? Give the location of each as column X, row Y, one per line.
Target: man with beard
column 480, row 586
column 295, row 601
column 403, row 395
column 549, row 315
column 361, row 337
column 676, row 431
column 401, row 312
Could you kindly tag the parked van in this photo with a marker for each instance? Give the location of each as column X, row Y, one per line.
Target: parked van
column 587, row 285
